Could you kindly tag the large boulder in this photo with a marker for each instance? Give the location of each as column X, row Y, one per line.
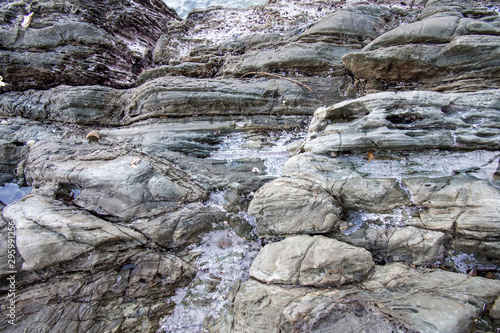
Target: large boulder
column 395, row 297
column 294, row 206
column 444, row 52
column 311, row 261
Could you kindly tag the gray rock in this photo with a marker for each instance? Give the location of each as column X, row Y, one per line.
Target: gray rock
column 433, row 31
column 408, row 244
column 337, row 311
column 255, row 307
column 163, row 97
column 306, row 59
column 182, row 227
column 373, row 195
column 407, row 120
column 331, row 173
column 459, row 206
column 495, row 310
column 357, row 23
column 311, row 261
column 413, row 300
column 107, row 36
column 294, row 206
column 127, row 295
column 432, row 51
column 48, row 233
column 431, row 300
column 112, row 183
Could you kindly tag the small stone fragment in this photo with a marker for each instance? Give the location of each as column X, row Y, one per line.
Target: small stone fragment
column 30, row 143
column 135, row 161
column 27, row 20
column 256, row 170
column 495, row 310
column 93, row 136
column 2, row 84
column 370, row 156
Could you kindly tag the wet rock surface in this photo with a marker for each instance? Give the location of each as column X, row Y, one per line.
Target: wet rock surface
column 291, row 167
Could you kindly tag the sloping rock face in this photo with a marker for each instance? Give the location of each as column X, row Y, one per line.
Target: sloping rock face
column 78, row 42
column 412, row 173
column 154, row 151
column 437, row 52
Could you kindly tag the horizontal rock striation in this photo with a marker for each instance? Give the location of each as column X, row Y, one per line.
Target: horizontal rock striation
column 153, row 148
column 78, row 42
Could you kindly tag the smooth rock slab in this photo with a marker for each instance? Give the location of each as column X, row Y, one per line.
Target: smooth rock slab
column 311, row 261
column 408, row 244
column 49, row 233
column 294, row 206
column 413, row 300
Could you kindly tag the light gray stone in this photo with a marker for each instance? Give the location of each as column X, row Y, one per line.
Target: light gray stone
column 408, row 120
column 48, row 233
column 311, row 261
column 407, row 244
column 373, row 195
column 294, row 206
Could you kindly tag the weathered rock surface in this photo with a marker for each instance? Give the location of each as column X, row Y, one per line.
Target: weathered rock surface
column 163, row 97
column 452, row 48
column 407, row 120
column 396, row 297
column 383, row 185
column 280, row 209
column 412, row 245
column 78, row 42
column 311, row 261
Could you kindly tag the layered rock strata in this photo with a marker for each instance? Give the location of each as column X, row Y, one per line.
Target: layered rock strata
column 384, row 219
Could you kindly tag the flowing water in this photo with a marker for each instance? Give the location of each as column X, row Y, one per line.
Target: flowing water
column 184, row 7
column 222, row 258
column 271, row 148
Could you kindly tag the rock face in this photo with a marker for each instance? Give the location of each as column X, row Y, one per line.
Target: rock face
column 437, row 51
column 153, row 152
column 306, row 260
column 78, row 42
column 280, row 209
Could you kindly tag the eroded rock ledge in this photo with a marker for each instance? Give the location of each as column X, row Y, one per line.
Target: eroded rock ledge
column 384, row 218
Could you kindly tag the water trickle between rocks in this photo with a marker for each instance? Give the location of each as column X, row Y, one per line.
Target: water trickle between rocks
column 270, row 147
column 11, row 192
column 222, row 258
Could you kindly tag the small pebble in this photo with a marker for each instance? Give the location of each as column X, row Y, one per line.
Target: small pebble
column 256, row 170
column 30, row 143
column 93, row 136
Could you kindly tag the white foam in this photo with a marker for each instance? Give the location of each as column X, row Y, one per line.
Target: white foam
column 223, row 259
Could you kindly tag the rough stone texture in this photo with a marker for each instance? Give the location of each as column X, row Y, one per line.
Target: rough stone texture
column 412, row 245
column 311, row 261
column 44, row 228
column 163, row 97
column 110, row 183
column 431, row 300
column 407, row 120
column 460, row 206
column 105, row 236
column 101, row 291
column 373, row 195
column 396, row 298
column 454, row 47
column 495, row 310
column 78, row 42
column 280, row 209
